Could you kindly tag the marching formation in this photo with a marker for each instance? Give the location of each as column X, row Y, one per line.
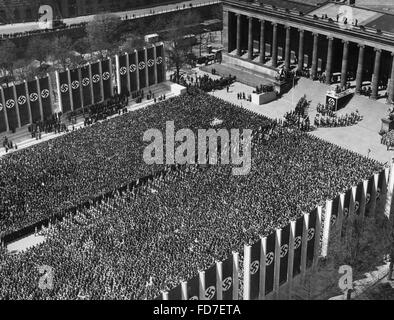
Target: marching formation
column 154, row 232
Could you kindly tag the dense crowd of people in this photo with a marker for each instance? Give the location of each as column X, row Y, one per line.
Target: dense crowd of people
column 154, row 233
column 327, row 117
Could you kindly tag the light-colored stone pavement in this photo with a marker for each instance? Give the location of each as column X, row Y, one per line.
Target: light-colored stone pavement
column 362, row 138
column 25, row 243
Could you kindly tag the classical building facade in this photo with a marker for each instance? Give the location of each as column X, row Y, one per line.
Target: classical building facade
column 340, row 41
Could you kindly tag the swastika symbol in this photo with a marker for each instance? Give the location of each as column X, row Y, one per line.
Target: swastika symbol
column 368, row 198
column 150, row 63
column 269, row 258
column 159, row 60
column 133, row 67
column 226, row 284
column 283, row 250
column 64, row 88
column 254, row 266
column 297, row 242
column 331, row 102
column 106, row 75
column 210, row 292
column 141, row 65
column 34, row 97
column 10, row 103
column 85, row 82
column 45, row 93
column 346, row 211
column 311, row 234
column 96, row 78
column 356, row 206
column 75, row 84
column 378, row 193
column 333, row 219
column 22, row 100
column 123, row 71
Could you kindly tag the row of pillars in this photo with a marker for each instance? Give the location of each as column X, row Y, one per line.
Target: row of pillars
column 345, row 56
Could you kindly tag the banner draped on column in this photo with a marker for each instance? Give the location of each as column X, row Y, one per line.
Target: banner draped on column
column 151, row 66
column 358, row 198
column 160, row 63
column 86, row 86
column 284, row 256
column 107, row 78
column 22, row 103
column 96, row 82
column 210, row 283
column 123, row 74
column 270, row 263
column 193, row 288
column 228, row 281
column 141, row 68
column 133, row 72
column 34, row 100
column 298, row 246
column 3, row 125
column 334, row 212
column 45, row 97
column 311, row 234
column 64, row 91
column 10, row 107
column 76, row 88
column 176, row 293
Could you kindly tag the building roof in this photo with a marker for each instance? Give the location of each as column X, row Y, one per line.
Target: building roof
column 298, row 5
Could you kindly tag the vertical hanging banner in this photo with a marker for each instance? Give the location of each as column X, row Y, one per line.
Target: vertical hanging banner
column 96, row 82
column 210, row 283
column 379, row 190
column 193, row 287
column 227, row 279
column 133, row 68
column 175, row 293
column 357, row 201
column 150, row 61
column 311, row 234
column 368, row 200
column 284, row 254
column 160, row 63
column 141, row 68
column 107, row 78
column 3, row 125
column 10, row 107
column 255, row 257
column 334, row 212
column 298, row 246
column 123, row 74
column 22, row 97
column 270, row 263
column 86, row 86
column 76, row 88
column 346, row 206
column 45, row 97
column 64, row 91
column 34, row 100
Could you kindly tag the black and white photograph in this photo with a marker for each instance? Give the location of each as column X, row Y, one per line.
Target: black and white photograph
column 160, row 151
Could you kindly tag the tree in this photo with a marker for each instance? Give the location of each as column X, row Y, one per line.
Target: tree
column 39, row 49
column 179, row 49
column 103, row 34
column 62, row 51
column 7, row 57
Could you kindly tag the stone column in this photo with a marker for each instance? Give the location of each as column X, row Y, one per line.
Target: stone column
column 375, row 77
column 262, row 41
column 250, row 39
column 345, row 57
column 360, row 66
column 287, row 49
column 301, row 50
column 391, row 88
column 238, row 34
column 314, row 55
column 329, row 60
column 275, row 45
